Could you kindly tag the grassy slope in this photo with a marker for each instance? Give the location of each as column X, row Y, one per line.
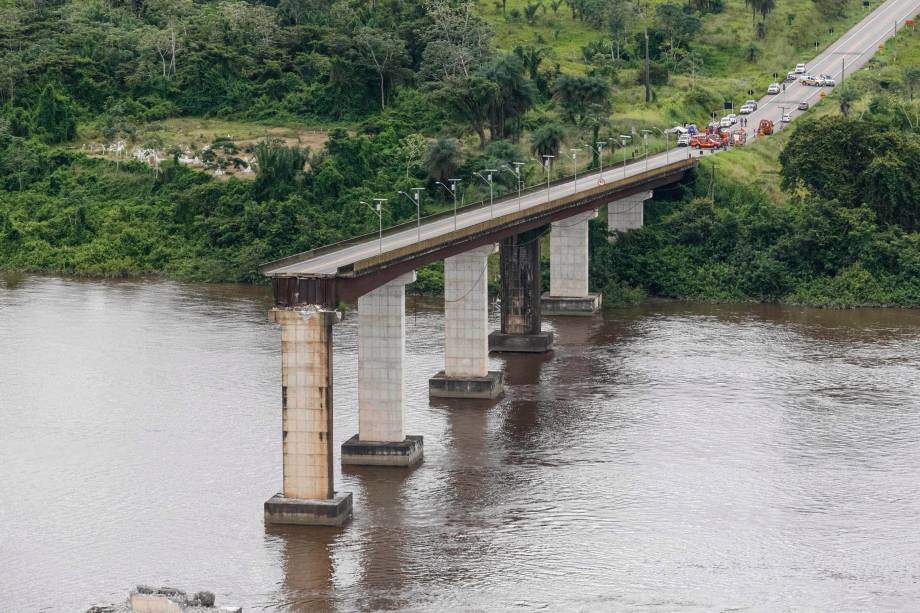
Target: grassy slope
column 758, row 163
column 722, row 43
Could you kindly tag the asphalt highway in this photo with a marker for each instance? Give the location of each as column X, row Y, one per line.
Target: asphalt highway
column 849, row 53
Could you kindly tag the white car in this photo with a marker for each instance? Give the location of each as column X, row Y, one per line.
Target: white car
column 828, row 81
column 752, row 103
column 786, row 117
column 733, row 118
column 746, row 109
column 683, row 140
column 800, row 69
column 773, row 89
column 726, row 122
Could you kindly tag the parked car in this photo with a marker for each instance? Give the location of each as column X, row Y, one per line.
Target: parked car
column 746, row 109
column 790, row 76
column 800, row 69
column 773, row 89
column 809, row 80
column 692, row 129
column 683, row 140
column 786, row 117
column 703, row 141
column 803, row 106
column 726, row 122
column 828, row 81
column 752, row 103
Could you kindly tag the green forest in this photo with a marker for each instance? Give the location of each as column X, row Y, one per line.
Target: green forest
column 408, row 93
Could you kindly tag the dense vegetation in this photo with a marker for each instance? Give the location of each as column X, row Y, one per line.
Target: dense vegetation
column 418, row 92
column 848, row 233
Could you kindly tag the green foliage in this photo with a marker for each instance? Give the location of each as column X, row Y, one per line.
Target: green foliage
column 547, row 139
column 55, row 119
column 280, row 168
column 856, row 163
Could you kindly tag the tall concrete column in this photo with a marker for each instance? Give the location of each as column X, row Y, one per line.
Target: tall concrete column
column 520, row 296
column 381, row 438
column 466, row 340
column 568, row 268
column 308, row 495
column 627, row 213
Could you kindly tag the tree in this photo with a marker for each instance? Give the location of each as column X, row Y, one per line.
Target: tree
column 530, row 11
column 456, row 42
column 471, row 99
column 54, row 116
column 514, row 97
column 621, row 21
column 413, row 148
column 443, row 159
column 847, row 97
column 678, row 25
column 546, row 140
column 384, row 53
column 581, row 97
column 280, row 168
column 912, row 80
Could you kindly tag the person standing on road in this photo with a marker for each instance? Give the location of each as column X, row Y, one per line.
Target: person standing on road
column 784, row 87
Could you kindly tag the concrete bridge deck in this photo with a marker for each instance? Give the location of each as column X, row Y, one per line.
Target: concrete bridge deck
column 347, row 270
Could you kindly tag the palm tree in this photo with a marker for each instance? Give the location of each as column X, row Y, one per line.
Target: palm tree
column 546, row 140
column 847, row 96
column 443, row 159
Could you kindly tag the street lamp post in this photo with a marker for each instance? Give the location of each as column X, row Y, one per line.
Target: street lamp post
column 624, row 138
column 488, row 180
column 378, row 210
column 414, row 198
column 575, row 166
column 667, row 145
column 520, row 182
column 517, row 175
column 546, row 159
column 452, row 190
column 645, row 134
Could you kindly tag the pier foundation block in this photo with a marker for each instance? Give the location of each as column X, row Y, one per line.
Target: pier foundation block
column 407, row 452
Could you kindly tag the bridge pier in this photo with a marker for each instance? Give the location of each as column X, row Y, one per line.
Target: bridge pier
column 568, row 268
column 381, row 438
column 308, row 496
column 466, row 341
column 520, row 296
column 626, row 214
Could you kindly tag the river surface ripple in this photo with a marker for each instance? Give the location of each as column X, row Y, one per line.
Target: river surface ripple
column 670, row 457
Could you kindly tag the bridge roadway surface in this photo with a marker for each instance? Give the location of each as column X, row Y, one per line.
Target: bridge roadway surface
column 855, row 47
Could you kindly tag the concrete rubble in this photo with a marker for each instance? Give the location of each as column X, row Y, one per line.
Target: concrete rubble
column 147, row 599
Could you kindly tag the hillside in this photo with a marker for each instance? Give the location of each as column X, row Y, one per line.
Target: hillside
column 297, row 111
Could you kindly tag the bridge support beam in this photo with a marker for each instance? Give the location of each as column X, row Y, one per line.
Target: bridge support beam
column 381, row 438
column 308, row 496
column 568, row 268
column 520, row 296
column 626, row 214
column 466, row 341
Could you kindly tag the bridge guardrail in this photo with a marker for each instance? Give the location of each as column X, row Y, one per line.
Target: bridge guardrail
column 389, row 231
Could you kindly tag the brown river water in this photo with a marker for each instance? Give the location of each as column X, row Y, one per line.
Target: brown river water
column 668, row 457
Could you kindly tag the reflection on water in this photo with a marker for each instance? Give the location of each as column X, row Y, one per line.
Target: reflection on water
column 664, row 457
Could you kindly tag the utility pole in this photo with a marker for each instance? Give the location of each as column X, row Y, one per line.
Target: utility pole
column 648, row 85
